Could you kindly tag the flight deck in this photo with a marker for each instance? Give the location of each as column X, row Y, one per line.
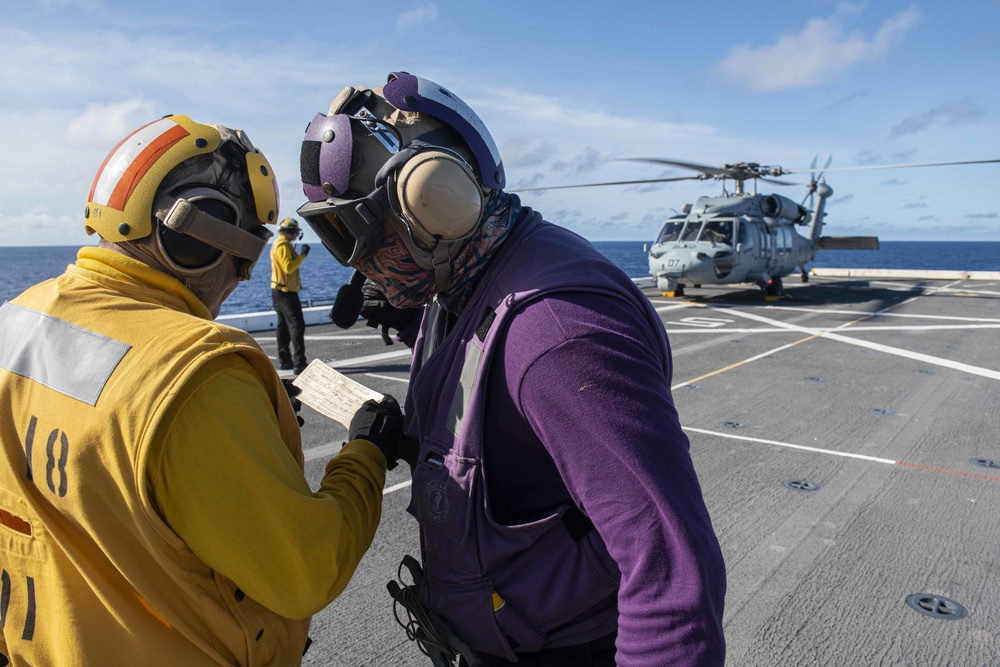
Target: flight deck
column 846, row 439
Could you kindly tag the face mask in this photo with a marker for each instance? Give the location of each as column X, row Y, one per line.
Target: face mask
column 406, row 285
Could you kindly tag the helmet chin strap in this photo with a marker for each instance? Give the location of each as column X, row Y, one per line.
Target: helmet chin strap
column 441, row 263
column 436, row 259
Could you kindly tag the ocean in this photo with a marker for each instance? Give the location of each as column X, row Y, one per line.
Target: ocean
column 322, row 276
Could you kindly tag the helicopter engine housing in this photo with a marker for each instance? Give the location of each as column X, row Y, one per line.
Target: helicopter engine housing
column 776, row 206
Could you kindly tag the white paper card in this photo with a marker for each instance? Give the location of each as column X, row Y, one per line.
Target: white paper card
column 332, row 393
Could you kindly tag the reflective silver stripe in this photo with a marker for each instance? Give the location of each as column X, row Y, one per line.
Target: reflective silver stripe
column 463, row 393
column 69, row 359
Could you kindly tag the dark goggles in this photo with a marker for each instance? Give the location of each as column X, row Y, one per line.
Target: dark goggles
column 351, row 229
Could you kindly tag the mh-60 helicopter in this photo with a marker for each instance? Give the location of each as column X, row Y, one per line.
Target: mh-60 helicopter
column 745, row 237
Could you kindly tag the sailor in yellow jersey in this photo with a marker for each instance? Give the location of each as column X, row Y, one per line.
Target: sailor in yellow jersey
column 285, row 286
column 153, row 508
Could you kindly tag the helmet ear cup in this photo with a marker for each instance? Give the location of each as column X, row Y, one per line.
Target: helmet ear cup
column 187, row 251
column 437, row 192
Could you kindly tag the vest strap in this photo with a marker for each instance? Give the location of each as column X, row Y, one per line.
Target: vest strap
column 484, row 324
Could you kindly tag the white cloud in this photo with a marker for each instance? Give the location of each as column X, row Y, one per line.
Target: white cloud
column 39, row 225
column 103, row 125
column 814, row 56
column 584, row 119
column 414, row 17
column 587, row 160
column 953, row 114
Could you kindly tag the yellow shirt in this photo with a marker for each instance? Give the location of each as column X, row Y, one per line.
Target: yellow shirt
column 152, row 505
column 285, row 264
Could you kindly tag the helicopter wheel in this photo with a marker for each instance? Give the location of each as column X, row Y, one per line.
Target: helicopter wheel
column 805, row 276
column 680, row 290
column 774, row 290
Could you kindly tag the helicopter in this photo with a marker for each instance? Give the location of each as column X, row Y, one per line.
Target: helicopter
column 744, row 237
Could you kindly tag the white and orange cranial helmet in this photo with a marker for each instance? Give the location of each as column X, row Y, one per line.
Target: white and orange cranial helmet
column 204, row 188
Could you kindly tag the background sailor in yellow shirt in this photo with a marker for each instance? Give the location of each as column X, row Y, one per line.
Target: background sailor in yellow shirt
column 285, row 287
column 153, row 508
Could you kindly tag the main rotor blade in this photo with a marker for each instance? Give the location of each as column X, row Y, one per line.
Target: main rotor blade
column 703, row 168
column 893, row 166
column 595, row 185
column 777, row 182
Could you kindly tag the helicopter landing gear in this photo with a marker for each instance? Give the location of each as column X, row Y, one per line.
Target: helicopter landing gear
column 805, row 275
column 669, row 287
column 773, row 289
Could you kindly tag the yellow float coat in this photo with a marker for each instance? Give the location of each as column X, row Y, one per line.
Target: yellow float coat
column 166, row 521
column 285, row 263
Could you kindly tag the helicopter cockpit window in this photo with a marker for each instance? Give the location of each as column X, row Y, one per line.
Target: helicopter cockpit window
column 671, row 231
column 691, row 230
column 718, row 232
column 747, row 236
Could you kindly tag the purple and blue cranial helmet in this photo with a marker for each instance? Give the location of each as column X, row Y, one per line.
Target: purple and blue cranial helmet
column 354, row 165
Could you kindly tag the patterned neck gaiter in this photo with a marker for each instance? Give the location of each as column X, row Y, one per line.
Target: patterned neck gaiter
column 407, row 285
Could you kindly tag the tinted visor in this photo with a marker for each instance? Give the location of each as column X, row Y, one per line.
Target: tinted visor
column 351, row 229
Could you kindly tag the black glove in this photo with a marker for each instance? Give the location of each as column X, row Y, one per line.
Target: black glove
column 377, row 310
column 305, row 249
column 294, row 391
column 380, row 423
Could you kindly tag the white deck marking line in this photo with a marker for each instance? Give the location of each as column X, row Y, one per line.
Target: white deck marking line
column 271, row 340
column 880, row 313
column 388, row 377
column 915, row 327
column 373, row 335
column 833, row 452
column 815, row 450
column 331, row 449
column 740, row 363
column 917, row 356
column 358, row 361
column 777, row 349
column 321, row 451
column 676, row 306
column 344, row 337
column 920, row 327
column 397, row 487
column 947, row 288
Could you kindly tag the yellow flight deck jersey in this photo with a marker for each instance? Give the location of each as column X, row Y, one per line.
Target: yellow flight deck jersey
column 285, row 263
column 153, row 509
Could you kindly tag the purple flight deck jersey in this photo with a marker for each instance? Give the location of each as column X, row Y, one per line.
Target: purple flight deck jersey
column 553, row 470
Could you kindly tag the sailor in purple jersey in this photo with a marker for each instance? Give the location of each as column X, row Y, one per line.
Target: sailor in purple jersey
column 561, row 518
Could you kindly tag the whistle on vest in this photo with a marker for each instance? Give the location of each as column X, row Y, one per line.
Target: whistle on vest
column 432, row 633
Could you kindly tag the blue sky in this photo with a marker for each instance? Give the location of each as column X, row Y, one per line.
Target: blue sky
column 566, row 88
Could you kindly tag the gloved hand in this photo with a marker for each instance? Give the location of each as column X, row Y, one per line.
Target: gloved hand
column 294, row 391
column 305, row 249
column 377, row 310
column 381, row 423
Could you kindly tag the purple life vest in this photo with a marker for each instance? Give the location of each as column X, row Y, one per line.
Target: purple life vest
column 556, row 582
